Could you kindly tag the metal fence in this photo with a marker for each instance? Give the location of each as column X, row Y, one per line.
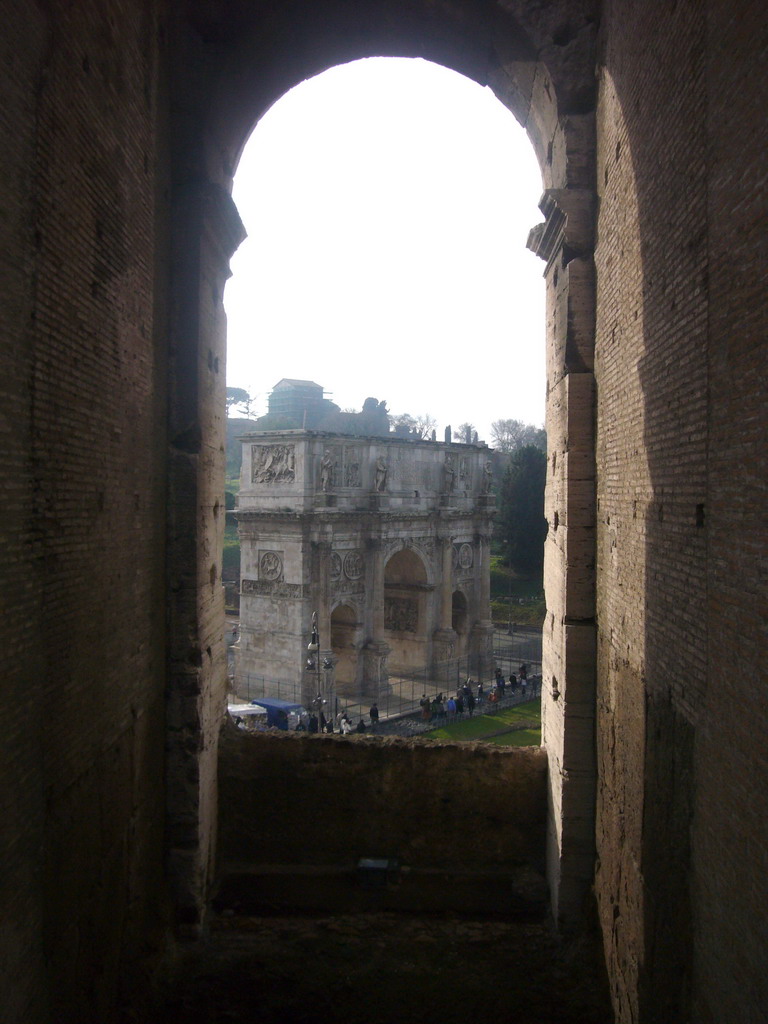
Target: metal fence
column 405, row 691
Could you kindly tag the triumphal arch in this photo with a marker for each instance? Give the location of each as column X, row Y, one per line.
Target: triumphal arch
column 386, row 539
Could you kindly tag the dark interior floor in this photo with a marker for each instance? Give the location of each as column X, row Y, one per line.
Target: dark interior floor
column 382, row 967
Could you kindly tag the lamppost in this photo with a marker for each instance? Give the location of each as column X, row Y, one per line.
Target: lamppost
column 314, row 665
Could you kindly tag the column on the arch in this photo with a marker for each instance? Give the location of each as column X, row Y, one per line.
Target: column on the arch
column 484, row 597
column 481, row 661
column 375, row 677
column 377, row 602
column 446, row 584
column 444, row 640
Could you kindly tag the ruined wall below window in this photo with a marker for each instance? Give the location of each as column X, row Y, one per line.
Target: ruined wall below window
column 294, row 800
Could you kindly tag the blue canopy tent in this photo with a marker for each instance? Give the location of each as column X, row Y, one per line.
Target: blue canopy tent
column 278, row 710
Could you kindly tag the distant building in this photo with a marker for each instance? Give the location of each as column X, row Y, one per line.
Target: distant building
column 301, row 405
column 301, row 402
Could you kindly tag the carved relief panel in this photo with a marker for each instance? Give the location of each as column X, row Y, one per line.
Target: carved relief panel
column 346, row 571
column 334, row 566
column 270, row 565
column 352, row 475
column 353, row 565
column 463, row 559
column 272, row 588
column 341, row 466
column 401, row 614
column 273, row 463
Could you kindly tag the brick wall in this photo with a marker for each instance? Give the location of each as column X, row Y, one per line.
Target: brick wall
column 83, row 525
column 676, row 346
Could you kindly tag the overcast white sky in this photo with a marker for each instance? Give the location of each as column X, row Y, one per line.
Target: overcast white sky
column 387, row 204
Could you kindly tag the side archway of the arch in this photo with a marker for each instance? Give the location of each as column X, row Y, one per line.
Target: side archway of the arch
column 346, row 640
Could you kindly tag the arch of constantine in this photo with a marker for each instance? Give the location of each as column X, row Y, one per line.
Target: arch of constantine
column 386, row 539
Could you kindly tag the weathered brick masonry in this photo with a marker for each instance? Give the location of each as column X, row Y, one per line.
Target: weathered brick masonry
column 426, row 803
column 681, row 473
column 83, row 611
column 121, row 126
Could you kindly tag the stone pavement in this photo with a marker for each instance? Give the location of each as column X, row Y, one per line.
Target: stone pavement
column 379, row 968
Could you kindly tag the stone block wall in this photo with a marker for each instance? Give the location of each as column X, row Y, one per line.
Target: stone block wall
column 310, row 800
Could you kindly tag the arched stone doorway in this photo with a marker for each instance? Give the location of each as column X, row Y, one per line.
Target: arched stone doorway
column 406, row 611
column 344, row 644
column 229, row 68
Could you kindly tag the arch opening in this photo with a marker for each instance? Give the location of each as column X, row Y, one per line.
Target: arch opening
column 406, row 611
column 385, row 192
column 344, row 645
column 459, row 622
column 563, row 144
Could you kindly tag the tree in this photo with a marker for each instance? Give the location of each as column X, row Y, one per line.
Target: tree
column 465, row 434
column 402, row 419
column 425, row 424
column 521, row 521
column 421, row 426
column 509, row 435
column 239, row 397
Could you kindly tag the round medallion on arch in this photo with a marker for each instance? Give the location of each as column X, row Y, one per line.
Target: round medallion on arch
column 466, row 556
column 353, row 565
column 334, row 565
column 270, row 566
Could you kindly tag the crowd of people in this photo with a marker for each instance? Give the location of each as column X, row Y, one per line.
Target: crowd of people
column 468, row 697
column 316, row 721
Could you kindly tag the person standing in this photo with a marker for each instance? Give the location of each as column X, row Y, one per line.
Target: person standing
column 470, row 703
column 373, row 714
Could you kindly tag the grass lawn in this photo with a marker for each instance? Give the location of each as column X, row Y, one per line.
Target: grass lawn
column 482, row 727
column 518, row 738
